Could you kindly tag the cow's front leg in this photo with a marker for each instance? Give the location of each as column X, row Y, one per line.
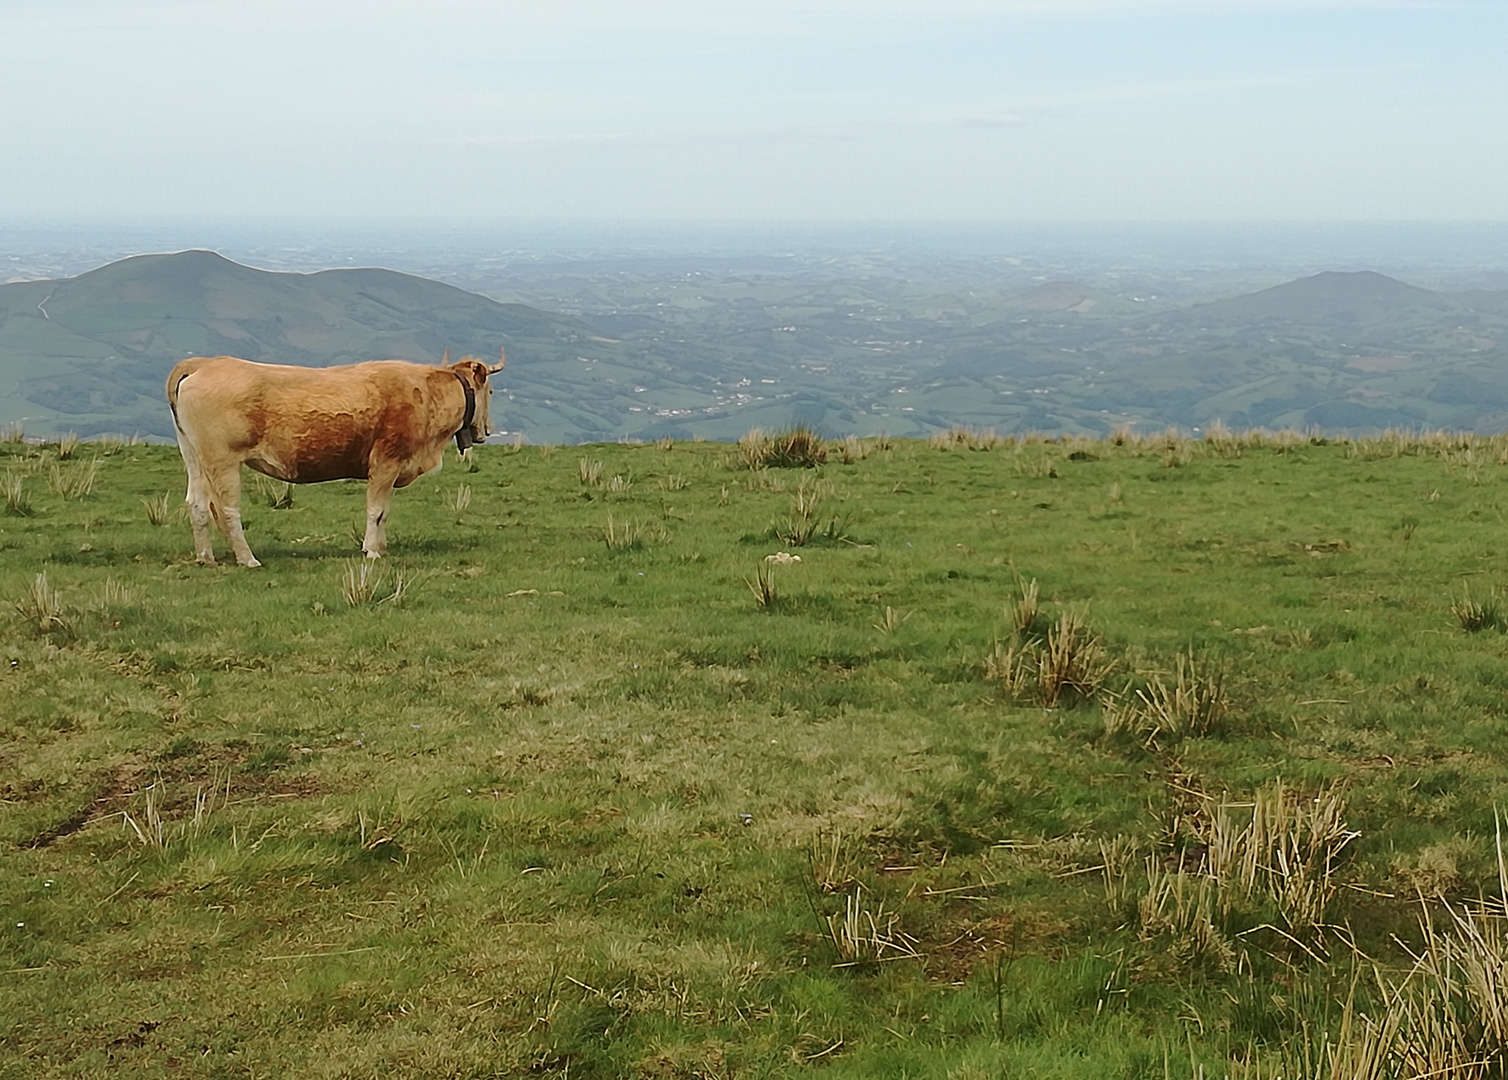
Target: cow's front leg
column 379, row 500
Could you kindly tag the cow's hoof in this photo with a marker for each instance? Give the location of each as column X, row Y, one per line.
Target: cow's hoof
column 205, row 560
column 375, row 554
column 251, row 563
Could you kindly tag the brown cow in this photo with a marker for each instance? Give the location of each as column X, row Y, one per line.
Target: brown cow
column 385, row 422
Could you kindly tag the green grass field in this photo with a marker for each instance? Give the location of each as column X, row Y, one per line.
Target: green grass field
column 576, row 783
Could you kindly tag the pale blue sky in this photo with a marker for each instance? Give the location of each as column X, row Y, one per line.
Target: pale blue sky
column 827, row 109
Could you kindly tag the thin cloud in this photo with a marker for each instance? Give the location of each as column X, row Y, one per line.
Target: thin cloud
column 763, row 17
column 558, row 139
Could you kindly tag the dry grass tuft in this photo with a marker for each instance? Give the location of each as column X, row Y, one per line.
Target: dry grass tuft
column 852, row 450
column 1445, row 1016
column 832, row 861
column 626, row 535
column 1180, row 906
column 1475, row 616
column 73, row 483
column 1268, row 864
column 891, row 620
column 1013, row 667
column 276, row 494
column 1023, row 614
column 42, row 607
column 1070, row 664
column 862, row 936
column 159, row 508
column 801, row 524
column 1192, row 704
column 1073, row 661
column 1283, row 846
column 151, row 826
column 1039, row 465
column 359, row 582
column 960, row 436
column 795, row 448
column 13, row 489
column 766, row 596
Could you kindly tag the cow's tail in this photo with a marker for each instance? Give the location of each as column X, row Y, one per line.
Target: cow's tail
column 197, row 474
column 181, row 370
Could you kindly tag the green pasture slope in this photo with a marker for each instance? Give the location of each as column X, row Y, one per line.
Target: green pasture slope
column 575, row 803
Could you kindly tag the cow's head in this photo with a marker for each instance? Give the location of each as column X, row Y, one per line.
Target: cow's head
column 475, row 373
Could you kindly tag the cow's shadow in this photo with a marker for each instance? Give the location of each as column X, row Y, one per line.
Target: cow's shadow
column 345, row 549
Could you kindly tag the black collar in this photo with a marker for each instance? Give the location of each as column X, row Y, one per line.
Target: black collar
column 464, row 438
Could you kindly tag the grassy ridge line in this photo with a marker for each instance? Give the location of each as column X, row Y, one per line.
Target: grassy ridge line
column 565, row 805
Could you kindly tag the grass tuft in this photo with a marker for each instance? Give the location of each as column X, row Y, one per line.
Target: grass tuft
column 766, row 596
column 159, row 508
column 359, row 582
column 627, row 535
column 1193, row 703
column 13, row 488
column 794, row 448
column 1476, row 616
column 75, row 483
column 832, row 861
column 1073, row 662
column 1281, row 846
column 891, row 620
column 852, row 450
column 1024, row 615
column 275, row 494
column 863, row 936
column 1066, row 664
column 42, row 607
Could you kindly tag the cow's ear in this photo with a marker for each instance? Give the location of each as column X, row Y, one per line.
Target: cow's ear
column 502, row 362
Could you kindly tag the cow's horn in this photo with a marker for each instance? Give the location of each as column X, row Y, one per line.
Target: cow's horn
column 502, row 362
column 444, row 360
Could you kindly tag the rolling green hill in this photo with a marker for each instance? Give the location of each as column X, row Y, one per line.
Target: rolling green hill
column 90, row 353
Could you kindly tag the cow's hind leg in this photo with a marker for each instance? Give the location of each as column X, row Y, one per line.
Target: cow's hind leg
column 198, row 501
column 225, row 508
column 199, row 518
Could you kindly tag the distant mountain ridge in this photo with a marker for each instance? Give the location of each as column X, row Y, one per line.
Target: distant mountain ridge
column 1362, row 296
column 91, row 352
column 1352, row 351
